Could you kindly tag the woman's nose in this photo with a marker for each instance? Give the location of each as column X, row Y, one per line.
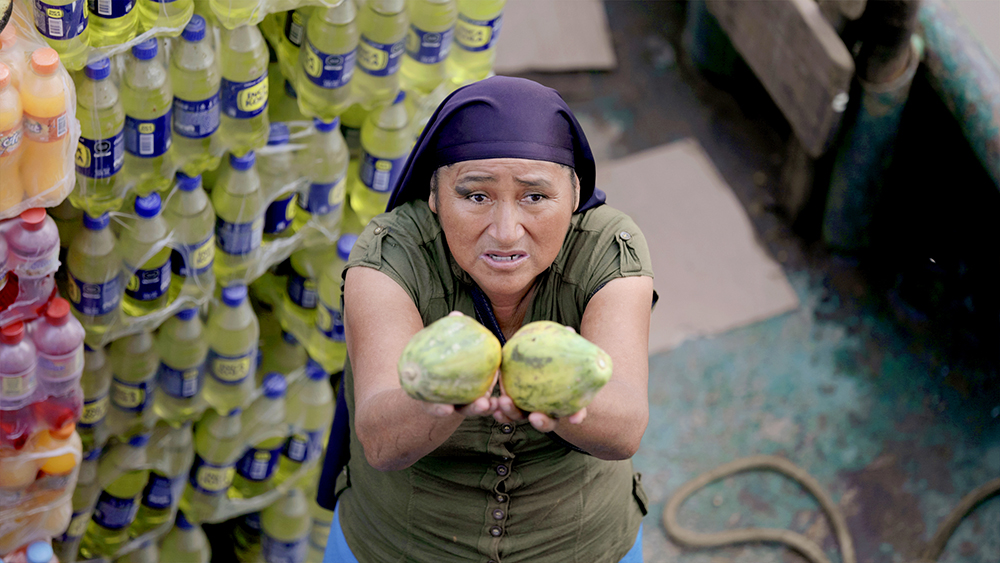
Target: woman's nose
column 507, row 227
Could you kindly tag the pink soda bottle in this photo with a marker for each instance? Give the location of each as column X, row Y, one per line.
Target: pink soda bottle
column 58, row 337
column 17, row 385
column 33, row 243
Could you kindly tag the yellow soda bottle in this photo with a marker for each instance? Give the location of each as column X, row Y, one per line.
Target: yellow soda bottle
column 94, row 267
column 383, row 25
column 112, row 22
column 278, row 175
column 285, row 527
column 195, row 78
column 63, row 23
column 329, row 347
column 324, row 161
column 320, row 519
column 10, row 141
column 148, row 99
column 182, row 347
column 134, row 363
column 244, row 122
column 119, row 501
column 233, row 335
column 172, row 14
column 84, row 496
column 232, row 13
column 385, row 144
column 280, row 352
column 350, row 128
column 185, row 542
column 310, row 412
column 96, row 381
column 191, row 217
column 44, row 98
column 100, row 152
column 476, row 35
column 218, row 445
column 298, row 303
column 239, row 226
column 289, row 39
column 326, row 62
column 286, row 108
column 428, row 42
column 171, row 451
column 266, row 430
column 145, row 258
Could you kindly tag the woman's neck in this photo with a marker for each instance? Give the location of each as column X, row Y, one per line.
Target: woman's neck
column 510, row 312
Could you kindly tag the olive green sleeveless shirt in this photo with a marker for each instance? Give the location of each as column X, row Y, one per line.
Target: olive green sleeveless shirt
column 494, row 492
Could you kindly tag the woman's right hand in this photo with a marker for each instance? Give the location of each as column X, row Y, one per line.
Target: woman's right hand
column 482, row 406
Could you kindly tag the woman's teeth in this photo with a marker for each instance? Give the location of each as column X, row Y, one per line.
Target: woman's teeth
column 504, row 258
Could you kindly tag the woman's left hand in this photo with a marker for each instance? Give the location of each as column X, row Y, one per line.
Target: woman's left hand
column 507, row 412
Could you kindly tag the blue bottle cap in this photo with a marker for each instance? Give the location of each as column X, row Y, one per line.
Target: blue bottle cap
column 278, row 134
column 315, row 371
column 399, row 97
column 195, row 29
column 274, row 385
column 233, row 295
column 92, row 454
column 187, row 314
column 188, row 183
column 289, row 337
column 235, row 412
column 290, row 90
column 139, row 440
column 182, row 521
column 96, row 223
column 324, row 127
column 146, row 50
column 99, row 69
column 244, row 162
column 39, row 552
column 344, row 245
column 148, row 206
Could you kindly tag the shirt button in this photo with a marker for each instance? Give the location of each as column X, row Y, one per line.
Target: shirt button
column 495, row 531
column 625, row 235
column 501, row 470
column 378, row 230
column 501, row 498
column 497, row 514
column 507, row 428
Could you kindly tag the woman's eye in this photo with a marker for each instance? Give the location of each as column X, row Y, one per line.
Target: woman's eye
column 535, row 198
column 477, row 198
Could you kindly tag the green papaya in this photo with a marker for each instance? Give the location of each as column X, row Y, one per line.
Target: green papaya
column 452, row 360
column 551, row 369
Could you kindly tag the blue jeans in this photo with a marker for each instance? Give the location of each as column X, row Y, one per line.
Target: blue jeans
column 337, row 550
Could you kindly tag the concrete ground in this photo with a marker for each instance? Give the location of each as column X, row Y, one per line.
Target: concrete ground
column 893, row 426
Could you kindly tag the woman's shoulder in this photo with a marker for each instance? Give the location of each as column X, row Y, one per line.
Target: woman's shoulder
column 605, row 221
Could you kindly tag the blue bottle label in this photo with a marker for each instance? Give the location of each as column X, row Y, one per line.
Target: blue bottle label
column 277, row 551
column 230, row 370
column 196, row 119
column 100, row 158
column 148, row 138
column 147, row 285
column 380, row 59
column 60, row 22
column 193, row 259
column 303, row 446
column 110, row 9
column 328, row 70
column 243, row 100
column 132, row 396
column 323, row 199
column 258, row 465
column 238, row 238
column 380, row 174
column 428, row 47
column 114, row 513
column 279, row 215
column 180, row 383
column 94, row 299
column 162, row 492
column 477, row 35
column 210, row 478
column 302, row 290
column 94, row 411
column 330, row 322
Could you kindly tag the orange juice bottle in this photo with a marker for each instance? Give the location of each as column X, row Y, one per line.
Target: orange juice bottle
column 11, row 192
column 43, row 95
column 12, row 55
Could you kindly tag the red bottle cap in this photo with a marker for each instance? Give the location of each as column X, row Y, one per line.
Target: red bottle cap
column 33, row 218
column 57, row 313
column 12, row 333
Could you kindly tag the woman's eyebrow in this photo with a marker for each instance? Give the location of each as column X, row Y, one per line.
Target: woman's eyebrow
column 533, row 182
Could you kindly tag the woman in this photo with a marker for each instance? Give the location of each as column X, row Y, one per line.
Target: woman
column 496, row 216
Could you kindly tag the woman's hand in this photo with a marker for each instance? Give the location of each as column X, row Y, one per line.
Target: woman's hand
column 482, row 406
column 507, row 412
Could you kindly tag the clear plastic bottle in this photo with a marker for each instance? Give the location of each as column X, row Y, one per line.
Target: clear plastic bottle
column 246, row 538
column 185, row 542
column 148, row 98
column 119, row 501
column 266, row 431
column 383, row 25
column 17, row 377
column 232, row 13
column 233, row 335
column 69, row 221
column 44, row 98
column 12, row 54
column 112, row 22
column 320, row 520
column 325, row 62
column 94, row 275
column 11, row 132
column 100, row 153
column 58, row 338
column 299, row 300
column 171, row 14
column 63, row 23
column 385, row 144
column 171, row 450
column 191, row 217
column 218, row 445
column 33, row 243
column 324, row 160
column 146, row 258
column 244, row 121
column 183, row 348
column 134, row 364
column 59, row 451
column 286, row 108
column 310, row 411
column 239, row 228
column 285, row 526
column 278, row 173
column 84, row 497
column 147, row 552
column 476, row 34
column 39, row 552
column 289, row 39
column 196, row 79
column 95, row 382
column 281, row 355
column 432, row 28
column 330, row 349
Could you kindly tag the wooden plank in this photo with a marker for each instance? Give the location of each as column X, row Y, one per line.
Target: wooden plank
column 798, row 57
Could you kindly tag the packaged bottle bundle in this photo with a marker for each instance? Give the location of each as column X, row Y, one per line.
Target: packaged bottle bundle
column 29, row 258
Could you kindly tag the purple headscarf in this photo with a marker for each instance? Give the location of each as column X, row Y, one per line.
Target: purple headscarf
column 500, row 117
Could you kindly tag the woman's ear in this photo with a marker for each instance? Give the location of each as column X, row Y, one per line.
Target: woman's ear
column 432, row 196
column 576, row 188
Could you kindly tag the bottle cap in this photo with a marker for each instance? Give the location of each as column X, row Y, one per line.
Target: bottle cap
column 92, row 454
column 149, row 206
column 326, row 127
column 235, row 412
column 233, row 295
column 139, row 440
column 182, row 521
column 274, row 385
column 289, row 337
column 187, row 314
column 399, row 97
column 290, row 90
column 146, row 50
column 33, row 218
column 8, row 37
column 344, row 245
column 314, row 371
column 57, row 313
column 64, row 431
column 4, row 76
column 12, row 333
column 96, row 223
column 278, row 134
column 195, row 29
column 188, row 183
column 45, row 60
column 99, row 69
column 39, row 552
column 244, row 162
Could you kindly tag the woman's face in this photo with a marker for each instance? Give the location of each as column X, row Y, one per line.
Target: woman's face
column 505, row 219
